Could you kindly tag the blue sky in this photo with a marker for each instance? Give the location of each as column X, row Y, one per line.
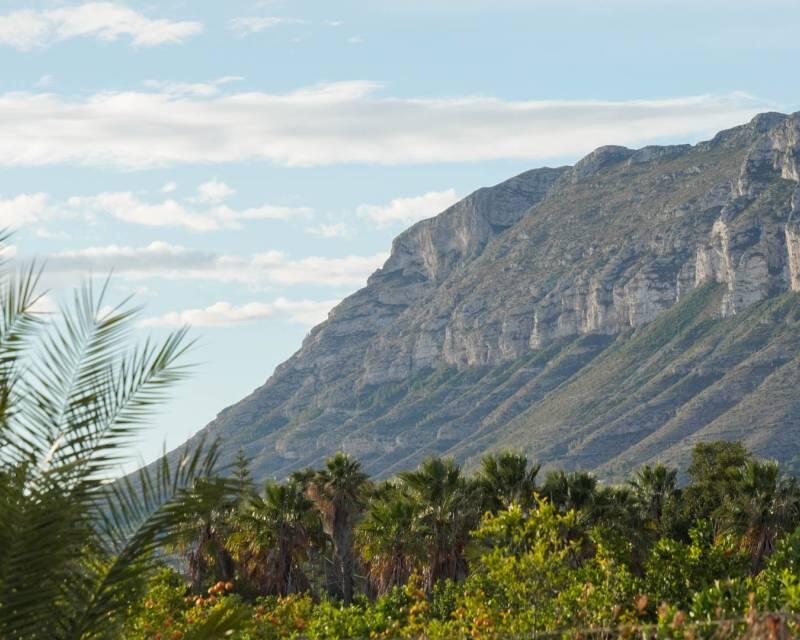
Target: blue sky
column 244, row 165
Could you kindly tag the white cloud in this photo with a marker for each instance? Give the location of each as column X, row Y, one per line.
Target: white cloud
column 256, row 24
column 7, row 251
column 28, row 29
column 169, row 187
column 409, row 210
column 44, row 81
column 214, row 191
column 220, row 314
column 25, row 209
column 344, row 122
column 329, row 230
column 28, row 209
column 355, row 40
column 175, row 262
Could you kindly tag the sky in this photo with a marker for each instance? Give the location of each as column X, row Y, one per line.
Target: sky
column 242, row 166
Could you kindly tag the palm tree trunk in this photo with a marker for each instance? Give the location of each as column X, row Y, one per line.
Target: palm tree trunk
column 347, row 574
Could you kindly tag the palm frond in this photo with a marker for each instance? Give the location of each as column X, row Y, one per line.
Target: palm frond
column 75, row 546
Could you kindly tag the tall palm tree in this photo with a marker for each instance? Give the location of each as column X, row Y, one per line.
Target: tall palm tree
column 338, row 492
column 764, row 505
column 73, row 395
column 506, row 478
column 449, row 508
column 389, row 538
column 273, row 535
column 653, row 488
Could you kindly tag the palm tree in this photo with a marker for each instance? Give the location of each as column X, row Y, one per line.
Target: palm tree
column 653, row 488
column 389, row 538
column 448, row 511
column 76, row 548
column 272, row 539
column 338, row 493
column 203, row 542
column 763, row 507
column 506, row 478
column 571, row 491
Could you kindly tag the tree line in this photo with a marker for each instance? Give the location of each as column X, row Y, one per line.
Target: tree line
column 332, row 530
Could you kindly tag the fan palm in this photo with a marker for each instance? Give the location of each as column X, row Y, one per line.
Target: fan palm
column 506, row 478
column 390, row 539
column 571, row 491
column 72, row 396
column 653, row 488
column 273, row 535
column 338, row 493
column 448, row 510
column 764, row 505
column 203, row 541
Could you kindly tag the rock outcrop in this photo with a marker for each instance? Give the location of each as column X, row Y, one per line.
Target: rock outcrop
column 482, row 314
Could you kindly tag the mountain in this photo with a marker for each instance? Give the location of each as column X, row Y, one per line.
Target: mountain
column 598, row 316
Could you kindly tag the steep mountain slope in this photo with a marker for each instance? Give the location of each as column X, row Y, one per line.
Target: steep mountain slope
column 597, row 316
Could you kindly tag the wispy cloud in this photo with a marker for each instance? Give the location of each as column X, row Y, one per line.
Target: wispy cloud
column 174, row 262
column 206, row 211
column 107, row 21
column 223, row 314
column 329, row 230
column 409, row 210
column 247, row 25
column 46, row 234
column 343, row 122
column 129, row 208
column 197, row 89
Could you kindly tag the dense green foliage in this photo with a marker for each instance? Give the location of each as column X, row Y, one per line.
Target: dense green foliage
column 439, row 554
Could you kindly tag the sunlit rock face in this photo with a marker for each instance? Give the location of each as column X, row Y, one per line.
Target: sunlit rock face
column 491, row 290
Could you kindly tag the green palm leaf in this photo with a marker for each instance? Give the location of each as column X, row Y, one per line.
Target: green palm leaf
column 73, row 395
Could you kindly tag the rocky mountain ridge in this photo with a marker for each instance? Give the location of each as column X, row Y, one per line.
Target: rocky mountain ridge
column 484, row 316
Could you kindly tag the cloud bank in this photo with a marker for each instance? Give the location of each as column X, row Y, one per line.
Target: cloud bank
column 343, row 122
column 174, row 262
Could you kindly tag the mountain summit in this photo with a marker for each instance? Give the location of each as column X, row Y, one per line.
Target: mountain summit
column 597, row 316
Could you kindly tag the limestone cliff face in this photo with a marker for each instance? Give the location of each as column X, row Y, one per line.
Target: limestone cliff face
column 513, row 272
column 610, row 283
